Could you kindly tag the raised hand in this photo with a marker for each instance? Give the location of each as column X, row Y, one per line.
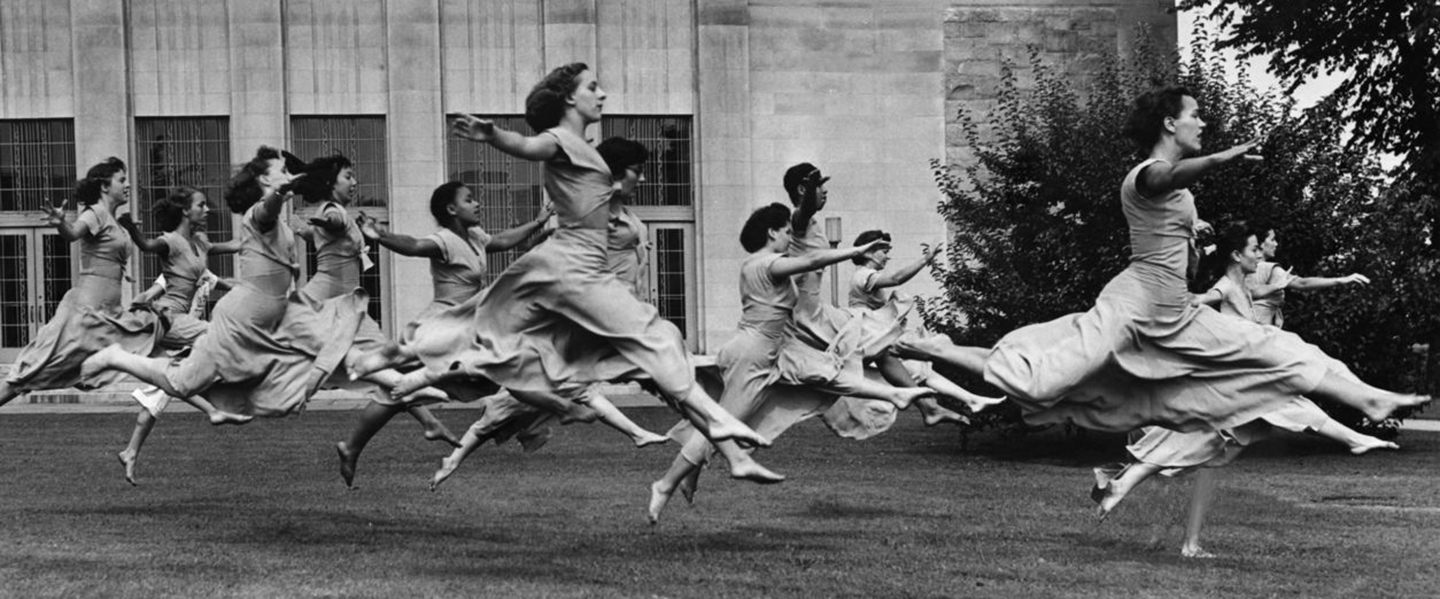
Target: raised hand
column 930, row 251
column 474, row 129
column 54, row 215
column 369, row 227
column 1245, row 150
column 1355, row 279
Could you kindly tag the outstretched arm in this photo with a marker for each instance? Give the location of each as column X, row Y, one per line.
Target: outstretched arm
column 535, row 148
column 900, row 276
column 793, row 265
column 404, row 245
column 1308, row 283
column 70, row 230
column 1210, row 298
column 513, row 236
column 151, row 245
column 1164, row 177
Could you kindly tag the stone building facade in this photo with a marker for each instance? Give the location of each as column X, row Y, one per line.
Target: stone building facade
column 728, row 93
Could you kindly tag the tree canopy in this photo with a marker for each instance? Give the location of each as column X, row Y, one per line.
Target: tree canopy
column 1389, row 51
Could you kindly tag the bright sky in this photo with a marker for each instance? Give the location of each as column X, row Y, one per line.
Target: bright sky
column 1305, row 96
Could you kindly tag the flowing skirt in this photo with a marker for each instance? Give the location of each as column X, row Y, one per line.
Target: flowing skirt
column 556, row 319
column 265, row 355
column 1143, row 356
column 87, row 320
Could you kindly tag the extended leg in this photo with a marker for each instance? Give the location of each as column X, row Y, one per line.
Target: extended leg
column 614, row 418
column 372, row 419
column 898, row 375
column 149, row 370
column 1357, row 442
column 144, row 423
column 472, row 441
column 435, row 430
column 1200, row 502
column 1110, row 491
column 1377, row 404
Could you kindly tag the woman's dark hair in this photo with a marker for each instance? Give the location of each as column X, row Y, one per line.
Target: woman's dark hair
column 756, row 232
column 444, row 195
column 89, row 189
column 1232, row 238
column 867, row 237
column 621, row 153
column 244, row 188
column 545, row 105
column 1147, row 118
column 170, row 212
column 318, row 184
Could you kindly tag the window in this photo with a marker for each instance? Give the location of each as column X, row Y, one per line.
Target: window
column 362, row 140
column 175, row 152
column 37, row 163
column 668, row 180
column 508, row 188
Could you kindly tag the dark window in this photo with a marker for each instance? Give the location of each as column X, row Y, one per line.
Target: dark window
column 508, row 188
column 668, row 180
column 362, row 140
column 175, row 152
column 37, row 163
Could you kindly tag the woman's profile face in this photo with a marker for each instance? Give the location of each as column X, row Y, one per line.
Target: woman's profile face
column 465, row 208
column 118, row 189
column 633, row 177
column 780, row 238
column 199, row 209
column 1270, row 245
column 1249, row 257
column 345, row 185
column 588, row 99
column 1187, row 126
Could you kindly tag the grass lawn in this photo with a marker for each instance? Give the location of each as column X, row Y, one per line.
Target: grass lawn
column 259, row 511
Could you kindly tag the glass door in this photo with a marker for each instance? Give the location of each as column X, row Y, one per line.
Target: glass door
column 35, row 271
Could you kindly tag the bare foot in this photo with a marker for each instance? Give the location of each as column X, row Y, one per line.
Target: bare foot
column 979, row 403
column 736, row 431
column 1376, row 408
column 1370, row 443
column 1108, row 491
column 218, row 418
column 413, row 381
column 438, row 432
column 348, row 460
column 388, row 356
column 1196, row 552
column 448, row 464
column 647, row 438
column 904, row 396
column 127, row 459
column 755, row 473
column 658, row 498
column 935, row 414
column 99, row 361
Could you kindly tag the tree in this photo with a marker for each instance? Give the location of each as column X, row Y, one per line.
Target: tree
column 1037, row 229
column 1388, row 49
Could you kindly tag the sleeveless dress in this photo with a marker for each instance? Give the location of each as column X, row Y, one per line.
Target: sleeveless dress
column 89, row 317
column 557, row 319
column 340, row 257
column 267, row 350
column 1270, row 309
column 864, row 295
column 458, row 274
column 1143, row 355
column 1179, row 452
column 183, row 265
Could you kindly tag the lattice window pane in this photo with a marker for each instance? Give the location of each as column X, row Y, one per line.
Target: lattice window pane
column 668, row 174
column 359, row 138
column 509, row 189
column 175, row 152
column 37, row 163
column 670, row 288
column 54, row 271
column 15, row 311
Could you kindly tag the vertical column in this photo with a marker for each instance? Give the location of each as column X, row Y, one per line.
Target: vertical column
column 724, row 152
column 416, row 134
column 102, row 110
column 257, row 77
column 569, row 32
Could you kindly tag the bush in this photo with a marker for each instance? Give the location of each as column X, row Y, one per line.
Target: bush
column 1037, row 229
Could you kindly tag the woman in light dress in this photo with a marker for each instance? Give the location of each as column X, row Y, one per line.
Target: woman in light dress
column 457, row 254
column 1162, row 451
column 267, row 350
column 1270, row 281
column 872, row 288
column 183, row 250
column 1144, row 354
column 558, row 320
column 90, row 317
column 768, row 299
